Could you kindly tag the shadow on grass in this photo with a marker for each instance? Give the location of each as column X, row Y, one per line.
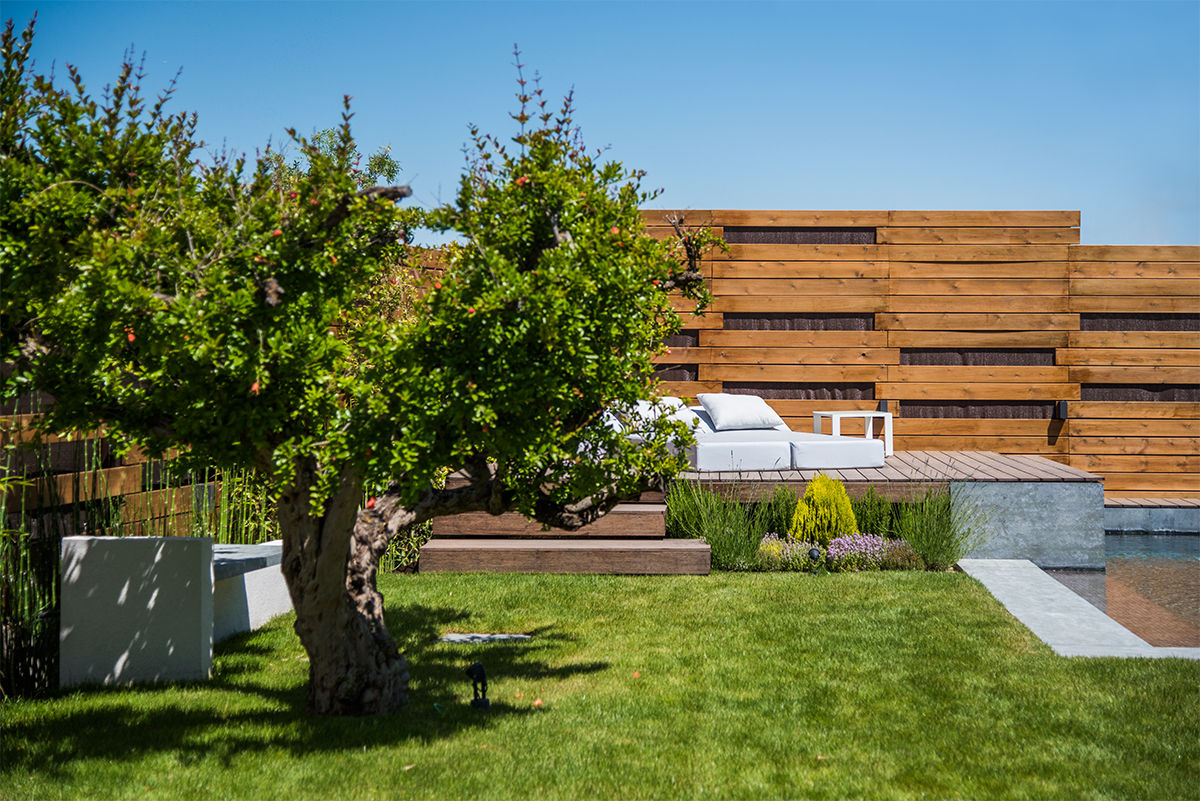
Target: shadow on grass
column 248, row 708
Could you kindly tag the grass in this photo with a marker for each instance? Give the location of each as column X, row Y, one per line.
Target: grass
column 749, row 685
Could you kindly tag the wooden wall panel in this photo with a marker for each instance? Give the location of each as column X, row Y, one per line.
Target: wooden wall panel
column 990, row 280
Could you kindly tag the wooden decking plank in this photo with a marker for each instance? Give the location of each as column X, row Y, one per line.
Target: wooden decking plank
column 664, row 556
column 940, row 465
column 1062, row 471
column 1025, row 471
column 980, row 464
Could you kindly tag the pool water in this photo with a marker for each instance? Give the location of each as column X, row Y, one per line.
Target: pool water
column 1150, row 585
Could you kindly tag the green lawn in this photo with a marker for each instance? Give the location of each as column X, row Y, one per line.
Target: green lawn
column 893, row 685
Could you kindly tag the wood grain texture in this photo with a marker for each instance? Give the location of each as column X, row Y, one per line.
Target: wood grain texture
column 1134, row 339
column 976, row 374
column 983, row 321
column 1136, row 410
column 1135, row 253
column 946, row 235
column 977, row 339
column 803, row 374
column 635, row 557
column 803, row 253
column 1050, row 219
column 959, row 391
column 844, row 304
column 1183, row 287
column 766, row 287
column 1135, row 375
column 1135, row 269
column 794, row 339
column 1017, row 269
column 984, row 253
column 800, row 269
column 804, row 356
column 1142, row 304
column 994, row 287
column 1128, row 356
column 1029, row 304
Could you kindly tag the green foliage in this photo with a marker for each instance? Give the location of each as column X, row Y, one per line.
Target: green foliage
column 823, row 513
column 942, row 528
column 731, row 530
column 873, row 513
column 901, row 556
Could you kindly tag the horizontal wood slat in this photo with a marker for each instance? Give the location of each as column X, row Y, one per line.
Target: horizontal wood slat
column 801, row 356
column 976, row 303
column 794, row 339
column 976, row 374
column 995, row 321
column 1135, row 253
column 958, row 391
column 1134, row 339
column 1160, row 409
column 845, row 304
column 1017, row 269
column 800, row 269
column 977, row 339
column 1187, row 287
column 1136, row 303
column 803, row 253
column 1135, row 269
column 799, row 286
column 1136, row 375
column 1013, row 287
column 985, row 253
column 1000, row 219
column 984, row 236
column 1128, row 356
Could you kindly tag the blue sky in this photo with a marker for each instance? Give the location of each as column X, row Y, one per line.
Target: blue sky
column 1092, row 106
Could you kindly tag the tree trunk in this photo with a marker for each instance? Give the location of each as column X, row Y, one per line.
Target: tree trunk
column 354, row 667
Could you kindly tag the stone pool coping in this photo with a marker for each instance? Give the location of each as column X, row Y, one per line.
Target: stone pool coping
column 1063, row 620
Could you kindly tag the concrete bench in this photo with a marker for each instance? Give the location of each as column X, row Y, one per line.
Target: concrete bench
column 137, row 609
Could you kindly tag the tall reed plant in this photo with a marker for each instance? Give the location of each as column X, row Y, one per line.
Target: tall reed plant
column 733, row 529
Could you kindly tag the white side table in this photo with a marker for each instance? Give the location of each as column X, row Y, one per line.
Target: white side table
column 868, row 419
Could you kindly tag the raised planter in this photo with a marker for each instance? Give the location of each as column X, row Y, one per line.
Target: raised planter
column 145, row 609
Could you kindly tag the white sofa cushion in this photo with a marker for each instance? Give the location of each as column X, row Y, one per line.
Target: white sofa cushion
column 768, row 449
column 738, row 412
column 827, row 452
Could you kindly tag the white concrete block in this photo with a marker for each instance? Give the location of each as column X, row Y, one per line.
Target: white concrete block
column 248, row 600
column 135, row 609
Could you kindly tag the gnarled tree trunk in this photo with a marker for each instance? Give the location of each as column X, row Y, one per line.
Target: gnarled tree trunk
column 354, row 666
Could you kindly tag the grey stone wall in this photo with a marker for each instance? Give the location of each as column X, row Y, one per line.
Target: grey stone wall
column 1052, row 524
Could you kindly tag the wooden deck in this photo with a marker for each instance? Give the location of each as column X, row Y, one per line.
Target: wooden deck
column 903, row 475
column 631, row 538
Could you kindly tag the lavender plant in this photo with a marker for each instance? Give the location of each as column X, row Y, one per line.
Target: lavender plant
column 853, row 552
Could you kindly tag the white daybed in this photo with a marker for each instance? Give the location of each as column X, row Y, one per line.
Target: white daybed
column 741, row 432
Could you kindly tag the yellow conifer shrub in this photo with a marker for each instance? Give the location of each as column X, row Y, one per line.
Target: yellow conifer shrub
column 823, row 513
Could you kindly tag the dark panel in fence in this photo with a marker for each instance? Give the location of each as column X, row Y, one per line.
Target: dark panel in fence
column 1104, row 321
column 688, row 338
column 677, row 372
column 798, row 391
column 786, row 321
column 978, row 356
column 778, row 235
column 986, row 410
column 1188, row 393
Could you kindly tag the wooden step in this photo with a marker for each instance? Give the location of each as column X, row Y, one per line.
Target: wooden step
column 625, row 520
column 661, row 556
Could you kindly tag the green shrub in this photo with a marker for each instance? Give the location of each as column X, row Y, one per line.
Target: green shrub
column 823, row 513
column 940, row 527
column 696, row 513
column 873, row 513
column 901, row 556
column 773, row 515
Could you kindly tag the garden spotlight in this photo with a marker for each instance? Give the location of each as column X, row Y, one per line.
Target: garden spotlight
column 479, row 686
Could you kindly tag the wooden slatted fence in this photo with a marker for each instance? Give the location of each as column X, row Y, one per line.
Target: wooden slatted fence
column 970, row 325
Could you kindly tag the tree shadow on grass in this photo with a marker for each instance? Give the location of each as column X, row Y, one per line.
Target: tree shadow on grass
column 247, row 708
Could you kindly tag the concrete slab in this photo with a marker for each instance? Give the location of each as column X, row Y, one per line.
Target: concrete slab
column 1054, row 524
column 1060, row 618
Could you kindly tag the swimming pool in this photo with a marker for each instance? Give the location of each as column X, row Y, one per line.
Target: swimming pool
column 1150, row 585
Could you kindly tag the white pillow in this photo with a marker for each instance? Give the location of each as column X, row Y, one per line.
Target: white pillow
column 734, row 412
